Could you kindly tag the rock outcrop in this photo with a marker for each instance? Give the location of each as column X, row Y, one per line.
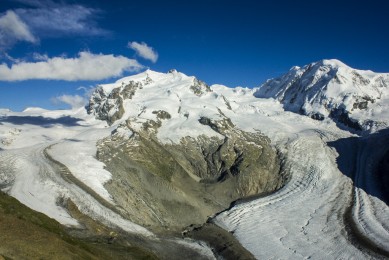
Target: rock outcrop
column 174, row 155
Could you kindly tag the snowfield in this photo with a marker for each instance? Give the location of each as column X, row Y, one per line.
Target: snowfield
column 306, row 218
column 330, row 88
column 332, row 207
column 29, row 173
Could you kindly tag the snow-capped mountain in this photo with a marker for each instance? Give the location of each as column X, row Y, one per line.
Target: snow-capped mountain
column 215, row 134
column 329, row 88
column 194, row 129
column 156, row 155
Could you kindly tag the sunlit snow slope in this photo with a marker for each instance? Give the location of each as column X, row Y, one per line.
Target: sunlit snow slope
column 32, row 141
column 334, row 205
column 353, row 98
column 328, row 122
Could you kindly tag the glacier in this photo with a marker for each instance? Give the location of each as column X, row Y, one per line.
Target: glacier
column 328, row 123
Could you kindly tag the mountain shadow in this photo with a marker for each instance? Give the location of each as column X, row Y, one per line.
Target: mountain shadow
column 40, row 120
column 366, row 161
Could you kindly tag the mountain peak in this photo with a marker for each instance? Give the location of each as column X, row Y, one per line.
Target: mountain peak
column 331, row 89
column 334, row 63
column 172, row 71
column 146, row 93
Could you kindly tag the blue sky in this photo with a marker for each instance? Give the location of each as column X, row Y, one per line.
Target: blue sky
column 53, row 52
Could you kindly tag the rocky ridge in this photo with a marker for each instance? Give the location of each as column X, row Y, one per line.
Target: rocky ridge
column 175, row 157
column 353, row 98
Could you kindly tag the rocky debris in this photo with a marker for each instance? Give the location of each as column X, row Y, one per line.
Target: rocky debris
column 128, row 90
column 169, row 186
column 109, row 106
column 362, row 102
column 199, row 87
column 223, row 242
column 161, row 114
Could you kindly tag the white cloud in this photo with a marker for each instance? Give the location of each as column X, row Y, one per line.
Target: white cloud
column 46, row 18
column 87, row 66
column 144, row 51
column 10, row 58
column 36, row 3
column 88, row 91
column 53, row 20
column 13, row 29
column 40, row 57
column 75, row 101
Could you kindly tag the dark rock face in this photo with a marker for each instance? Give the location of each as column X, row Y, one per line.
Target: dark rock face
column 199, row 87
column 109, row 107
column 161, row 114
column 239, row 157
column 363, row 102
column 106, row 107
column 317, row 116
column 170, row 186
column 383, row 174
column 342, row 117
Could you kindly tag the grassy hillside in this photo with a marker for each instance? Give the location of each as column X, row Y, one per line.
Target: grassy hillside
column 27, row 234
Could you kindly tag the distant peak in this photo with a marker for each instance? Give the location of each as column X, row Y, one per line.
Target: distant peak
column 331, row 63
column 172, row 71
column 149, row 71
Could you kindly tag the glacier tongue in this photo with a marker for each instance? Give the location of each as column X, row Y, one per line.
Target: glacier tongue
column 328, row 209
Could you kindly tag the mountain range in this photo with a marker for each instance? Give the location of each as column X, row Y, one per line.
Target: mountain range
column 295, row 168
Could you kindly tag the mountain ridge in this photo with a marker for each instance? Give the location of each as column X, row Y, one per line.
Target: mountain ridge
column 327, row 89
column 179, row 133
column 167, row 153
column 356, row 99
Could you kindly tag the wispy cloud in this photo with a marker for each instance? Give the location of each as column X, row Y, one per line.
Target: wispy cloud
column 10, row 58
column 40, row 57
column 45, row 18
column 144, row 51
column 87, row 66
column 74, row 101
column 36, row 3
column 13, row 29
column 55, row 20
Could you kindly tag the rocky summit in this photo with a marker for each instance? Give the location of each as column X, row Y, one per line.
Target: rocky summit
column 355, row 99
column 175, row 155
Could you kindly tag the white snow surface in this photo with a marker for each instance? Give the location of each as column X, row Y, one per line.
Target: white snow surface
column 309, row 217
column 330, row 85
column 330, row 188
column 305, row 219
column 170, row 92
column 78, row 154
column 68, row 136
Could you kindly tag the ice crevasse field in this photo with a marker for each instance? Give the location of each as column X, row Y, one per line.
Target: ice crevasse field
column 329, row 123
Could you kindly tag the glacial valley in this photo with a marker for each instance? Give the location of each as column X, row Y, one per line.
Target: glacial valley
column 163, row 165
